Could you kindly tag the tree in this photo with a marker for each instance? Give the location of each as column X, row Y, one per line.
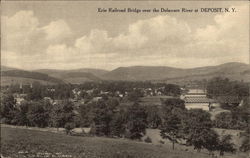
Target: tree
column 172, row 90
column 135, row 95
column 153, row 116
column 245, row 146
column 104, row 117
column 136, row 121
column 197, row 128
column 36, row 92
column 224, row 87
column 118, row 124
column 171, row 128
column 7, row 108
column 172, row 103
column 22, row 116
column 223, row 120
column 103, row 113
column 38, row 115
column 56, row 116
column 210, row 140
column 238, row 118
column 173, row 116
column 69, row 126
column 67, row 116
column 225, row 145
column 86, row 114
column 62, row 115
column 112, row 103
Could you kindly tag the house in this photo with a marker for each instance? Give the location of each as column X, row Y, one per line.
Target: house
column 48, row 99
column 19, row 98
column 76, row 92
column 89, row 92
column 106, row 92
column 96, row 99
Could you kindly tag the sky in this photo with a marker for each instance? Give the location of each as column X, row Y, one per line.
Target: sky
column 71, row 35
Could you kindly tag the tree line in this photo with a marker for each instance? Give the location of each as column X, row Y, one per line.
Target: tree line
column 237, row 116
column 218, row 86
column 108, row 118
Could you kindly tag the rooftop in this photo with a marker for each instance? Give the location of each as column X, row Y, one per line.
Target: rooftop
column 198, row 100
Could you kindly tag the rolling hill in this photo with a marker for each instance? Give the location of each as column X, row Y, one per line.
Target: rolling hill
column 235, row 71
column 78, row 77
column 75, row 76
column 16, row 76
column 7, row 68
column 141, row 73
column 55, row 72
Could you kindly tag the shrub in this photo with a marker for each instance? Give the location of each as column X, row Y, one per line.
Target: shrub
column 69, row 126
column 148, row 140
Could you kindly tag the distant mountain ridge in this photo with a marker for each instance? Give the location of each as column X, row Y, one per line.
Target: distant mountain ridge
column 141, row 73
column 16, row 76
column 55, row 72
column 233, row 70
column 6, row 68
column 76, row 76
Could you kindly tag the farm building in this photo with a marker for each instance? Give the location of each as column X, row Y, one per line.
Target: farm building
column 203, row 103
column 197, row 99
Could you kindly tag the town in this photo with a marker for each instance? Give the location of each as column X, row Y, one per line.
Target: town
column 110, row 108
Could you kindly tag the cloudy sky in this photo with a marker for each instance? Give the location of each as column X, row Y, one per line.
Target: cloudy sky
column 69, row 35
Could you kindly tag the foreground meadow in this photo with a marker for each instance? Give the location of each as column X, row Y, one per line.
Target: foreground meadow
column 17, row 142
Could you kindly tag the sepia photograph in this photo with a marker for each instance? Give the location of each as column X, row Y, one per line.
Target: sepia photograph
column 125, row 79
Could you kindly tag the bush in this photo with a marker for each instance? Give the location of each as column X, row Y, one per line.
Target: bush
column 4, row 120
column 245, row 146
column 69, row 126
column 148, row 140
column 38, row 115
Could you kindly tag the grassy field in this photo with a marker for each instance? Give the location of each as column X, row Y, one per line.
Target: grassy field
column 17, row 142
column 154, row 135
